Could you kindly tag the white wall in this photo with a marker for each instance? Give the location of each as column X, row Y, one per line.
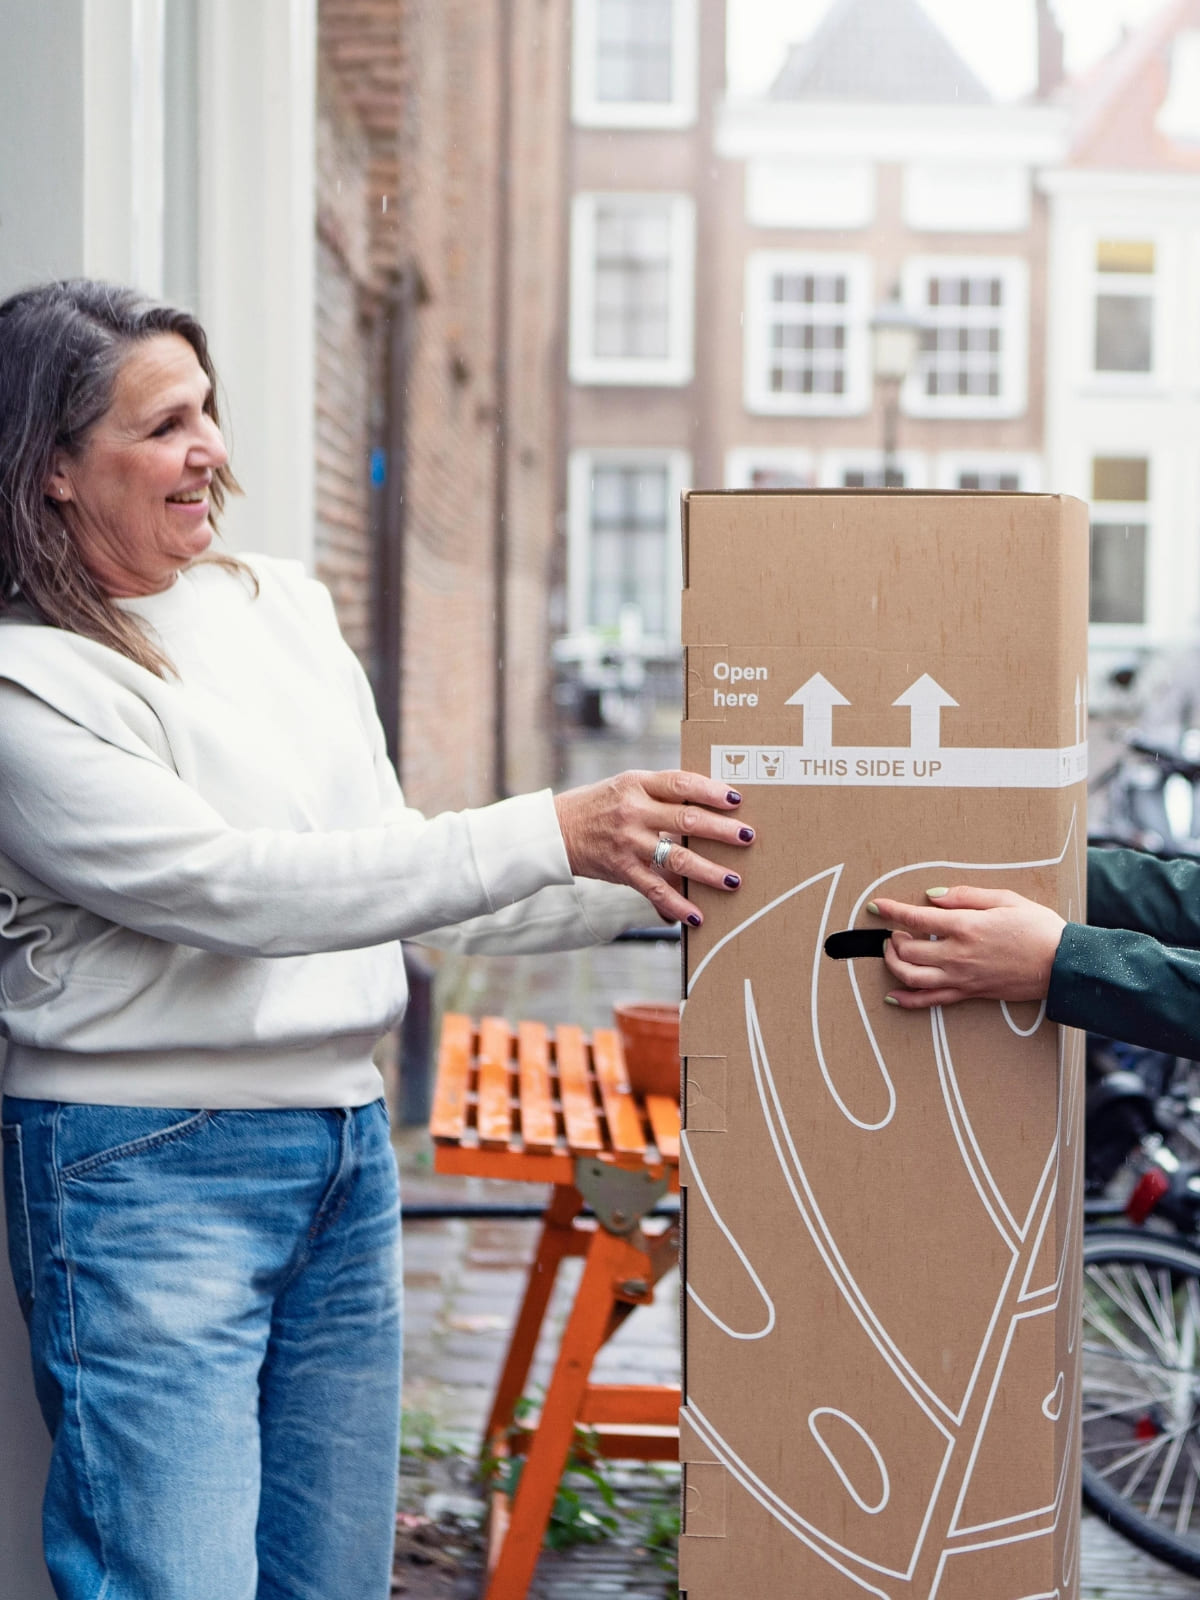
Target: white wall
column 81, row 131
column 82, row 192
column 41, row 136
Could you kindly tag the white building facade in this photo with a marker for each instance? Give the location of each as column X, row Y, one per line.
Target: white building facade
column 1124, row 394
column 866, row 178
column 1123, row 358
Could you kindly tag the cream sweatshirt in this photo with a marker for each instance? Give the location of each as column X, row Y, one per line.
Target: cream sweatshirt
column 203, row 879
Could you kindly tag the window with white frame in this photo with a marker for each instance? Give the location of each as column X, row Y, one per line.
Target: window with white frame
column 867, row 469
column 634, row 63
column 806, row 333
column 632, row 264
column 973, row 356
column 623, row 539
column 1125, row 302
column 990, row 482
column 1179, row 116
column 772, row 467
column 1120, row 540
column 989, row 471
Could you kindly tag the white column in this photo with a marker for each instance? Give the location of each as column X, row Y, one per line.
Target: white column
column 81, row 128
column 123, row 141
column 257, row 269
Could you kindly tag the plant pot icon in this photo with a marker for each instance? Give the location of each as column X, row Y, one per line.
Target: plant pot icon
column 770, row 763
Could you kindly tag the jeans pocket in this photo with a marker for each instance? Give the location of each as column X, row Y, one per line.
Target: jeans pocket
column 92, row 1137
column 16, row 1206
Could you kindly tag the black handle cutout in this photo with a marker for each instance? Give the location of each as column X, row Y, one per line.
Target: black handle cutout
column 856, row 942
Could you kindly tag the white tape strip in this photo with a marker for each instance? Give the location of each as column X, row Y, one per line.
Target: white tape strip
column 838, row 767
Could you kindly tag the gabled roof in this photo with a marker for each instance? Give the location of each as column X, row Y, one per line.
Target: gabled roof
column 1116, row 106
column 884, row 51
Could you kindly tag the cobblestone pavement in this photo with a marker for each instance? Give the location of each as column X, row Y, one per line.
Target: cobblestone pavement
column 463, row 1279
column 463, row 1282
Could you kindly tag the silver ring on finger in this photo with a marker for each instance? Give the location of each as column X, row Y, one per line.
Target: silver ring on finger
column 661, row 851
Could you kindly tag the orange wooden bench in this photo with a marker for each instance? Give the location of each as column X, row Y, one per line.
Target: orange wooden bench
column 555, row 1107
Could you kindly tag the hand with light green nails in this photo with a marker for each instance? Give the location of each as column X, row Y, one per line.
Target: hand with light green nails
column 969, row 944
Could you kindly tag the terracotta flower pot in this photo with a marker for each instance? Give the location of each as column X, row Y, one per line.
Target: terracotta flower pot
column 650, row 1039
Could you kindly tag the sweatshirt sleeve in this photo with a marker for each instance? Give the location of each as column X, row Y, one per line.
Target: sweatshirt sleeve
column 572, row 917
column 562, row 917
column 1128, row 889
column 122, row 836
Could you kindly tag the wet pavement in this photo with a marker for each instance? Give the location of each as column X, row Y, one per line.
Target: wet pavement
column 463, row 1281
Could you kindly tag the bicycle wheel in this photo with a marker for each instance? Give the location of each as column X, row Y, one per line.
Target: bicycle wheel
column 1141, row 1390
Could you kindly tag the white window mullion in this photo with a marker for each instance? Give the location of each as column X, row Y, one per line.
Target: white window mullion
column 992, row 471
column 975, row 347
column 864, row 469
column 1122, row 544
column 632, row 295
column 635, row 63
column 623, row 541
column 1126, row 344
column 770, row 467
column 806, row 344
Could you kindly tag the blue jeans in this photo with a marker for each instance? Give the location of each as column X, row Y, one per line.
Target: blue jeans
column 213, row 1300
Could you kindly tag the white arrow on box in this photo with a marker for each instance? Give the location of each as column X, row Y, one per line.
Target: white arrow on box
column 818, row 697
column 925, row 700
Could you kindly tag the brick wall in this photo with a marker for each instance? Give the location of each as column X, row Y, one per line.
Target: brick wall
column 410, row 173
column 344, row 359
column 448, row 230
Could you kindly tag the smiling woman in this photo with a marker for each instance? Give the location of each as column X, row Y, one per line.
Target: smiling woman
column 96, row 381
column 136, row 497
column 206, row 864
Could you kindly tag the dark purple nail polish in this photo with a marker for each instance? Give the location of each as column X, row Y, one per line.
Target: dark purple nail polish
column 732, row 880
column 734, row 798
column 695, row 919
column 745, row 835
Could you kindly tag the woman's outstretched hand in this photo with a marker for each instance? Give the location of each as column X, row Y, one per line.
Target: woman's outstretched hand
column 612, row 830
column 969, row 944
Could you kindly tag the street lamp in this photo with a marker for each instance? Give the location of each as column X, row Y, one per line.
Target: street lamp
column 895, row 340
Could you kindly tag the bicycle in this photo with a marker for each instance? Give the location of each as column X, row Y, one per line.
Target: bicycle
column 1141, row 1389
column 1151, row 796
column 1141, row 1302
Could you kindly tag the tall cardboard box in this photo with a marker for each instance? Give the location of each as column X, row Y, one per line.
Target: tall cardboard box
column 883, row 1210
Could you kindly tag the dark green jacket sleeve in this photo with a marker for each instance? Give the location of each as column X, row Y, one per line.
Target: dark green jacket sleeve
column 1134, row 972
column 1127, row 889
